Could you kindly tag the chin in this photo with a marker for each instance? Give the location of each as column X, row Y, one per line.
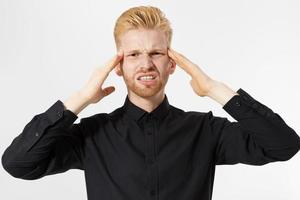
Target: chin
column 146, row 92
column 140, row 90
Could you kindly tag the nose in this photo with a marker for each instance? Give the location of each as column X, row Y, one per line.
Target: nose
column 146, row 61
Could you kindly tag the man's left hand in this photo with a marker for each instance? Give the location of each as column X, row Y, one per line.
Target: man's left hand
column 201, row 82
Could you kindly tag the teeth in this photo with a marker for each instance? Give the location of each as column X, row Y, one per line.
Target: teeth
column 146, row 77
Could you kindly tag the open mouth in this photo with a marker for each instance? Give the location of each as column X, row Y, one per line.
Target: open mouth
column 147, row 79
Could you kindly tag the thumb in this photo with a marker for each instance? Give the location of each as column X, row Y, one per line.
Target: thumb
column 192, row 83
column 108, row 90
column 194, row 86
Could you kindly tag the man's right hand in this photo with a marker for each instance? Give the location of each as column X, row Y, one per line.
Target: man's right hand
column 92, row 91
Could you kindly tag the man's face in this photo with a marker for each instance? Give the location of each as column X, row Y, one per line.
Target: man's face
column 146, row 65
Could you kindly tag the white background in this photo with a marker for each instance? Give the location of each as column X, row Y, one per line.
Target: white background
column 48, row 50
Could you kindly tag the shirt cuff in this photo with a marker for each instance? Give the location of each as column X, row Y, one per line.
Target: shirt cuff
column 56, row 116
column 240, row 104
column 58, row 111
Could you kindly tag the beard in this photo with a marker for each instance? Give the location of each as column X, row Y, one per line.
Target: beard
column 142, row 90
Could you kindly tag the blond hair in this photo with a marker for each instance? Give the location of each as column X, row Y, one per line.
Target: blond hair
column 146, row 17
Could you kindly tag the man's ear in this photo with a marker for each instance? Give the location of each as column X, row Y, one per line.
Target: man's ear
column 118, row 70
column 172, row 66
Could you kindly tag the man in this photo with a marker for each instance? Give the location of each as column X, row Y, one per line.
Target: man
column 149, row 149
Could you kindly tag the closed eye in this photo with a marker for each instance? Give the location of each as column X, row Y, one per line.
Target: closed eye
column 151, row 54
column 157, row 53
column 133, row 54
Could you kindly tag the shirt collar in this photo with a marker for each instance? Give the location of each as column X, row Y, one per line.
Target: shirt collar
column 137, row 113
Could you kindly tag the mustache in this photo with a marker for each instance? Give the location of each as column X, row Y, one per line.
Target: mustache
column 146, row 71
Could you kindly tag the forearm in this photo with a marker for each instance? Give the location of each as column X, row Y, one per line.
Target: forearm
column 259, row 136
column 30, row 152
column 220, row 92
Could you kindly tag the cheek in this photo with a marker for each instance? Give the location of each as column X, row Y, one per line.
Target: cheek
column 128, row 71
column 164, row 65
column 130, row 59
column 129, row 64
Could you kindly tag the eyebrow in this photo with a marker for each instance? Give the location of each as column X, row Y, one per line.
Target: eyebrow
column 138, row 51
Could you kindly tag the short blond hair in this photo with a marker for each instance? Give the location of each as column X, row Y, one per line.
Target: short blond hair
column 144, row 17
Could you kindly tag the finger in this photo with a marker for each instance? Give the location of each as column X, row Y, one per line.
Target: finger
column 187, row 65
column 177, row 57
column 182, row 61
column 108, row 90
column 113, row 62
column 108, row 67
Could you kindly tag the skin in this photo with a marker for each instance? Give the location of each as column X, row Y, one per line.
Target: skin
column 145, row 51
column 151, row 55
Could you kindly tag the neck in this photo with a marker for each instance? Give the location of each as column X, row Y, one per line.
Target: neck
column 147, row 103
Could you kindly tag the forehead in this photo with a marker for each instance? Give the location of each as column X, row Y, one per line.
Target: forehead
column 142, row 39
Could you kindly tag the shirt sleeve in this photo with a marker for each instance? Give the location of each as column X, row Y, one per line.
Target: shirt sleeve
column 259, row 136
column 50, row 143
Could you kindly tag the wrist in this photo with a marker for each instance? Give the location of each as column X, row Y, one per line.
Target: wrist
column 76, row 103
column 220, row 92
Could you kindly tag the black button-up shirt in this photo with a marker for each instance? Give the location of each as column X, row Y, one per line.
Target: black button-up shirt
column 130, row 154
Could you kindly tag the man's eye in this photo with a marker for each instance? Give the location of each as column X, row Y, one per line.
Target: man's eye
column 133, row 54
column 156, row 53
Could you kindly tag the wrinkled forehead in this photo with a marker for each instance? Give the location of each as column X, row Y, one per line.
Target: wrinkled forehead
column 144, row 40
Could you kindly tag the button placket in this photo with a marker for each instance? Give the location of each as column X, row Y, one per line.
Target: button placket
column 150, row 155
column 150, row 140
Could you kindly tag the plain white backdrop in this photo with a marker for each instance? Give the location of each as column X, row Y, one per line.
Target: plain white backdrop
column 48, row 50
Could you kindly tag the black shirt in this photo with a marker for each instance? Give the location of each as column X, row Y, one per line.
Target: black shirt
column 130, row 154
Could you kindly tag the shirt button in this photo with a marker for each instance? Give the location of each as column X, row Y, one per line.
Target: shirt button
column 237, row 103
column 59, row 113
column 37, row 134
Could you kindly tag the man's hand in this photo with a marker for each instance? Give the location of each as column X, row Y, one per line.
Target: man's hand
column 201, row 83
column 92, row 91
